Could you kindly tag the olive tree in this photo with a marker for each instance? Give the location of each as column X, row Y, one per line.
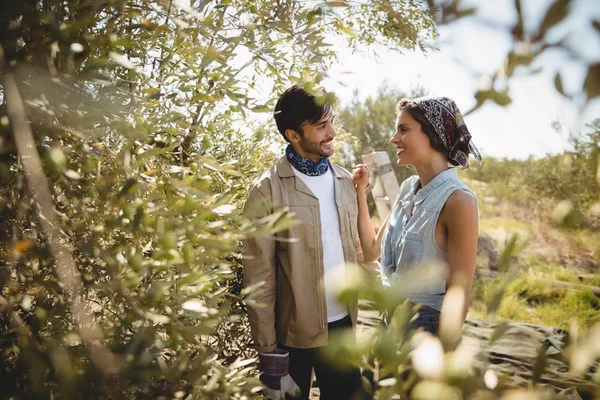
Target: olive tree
column 126, row 145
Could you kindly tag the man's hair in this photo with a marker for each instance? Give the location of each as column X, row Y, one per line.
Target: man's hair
column 413, row 109
column 295, row 108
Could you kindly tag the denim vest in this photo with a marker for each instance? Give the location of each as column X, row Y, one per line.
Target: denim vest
column 409, row 237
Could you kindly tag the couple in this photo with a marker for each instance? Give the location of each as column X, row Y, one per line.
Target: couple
column 435, row 216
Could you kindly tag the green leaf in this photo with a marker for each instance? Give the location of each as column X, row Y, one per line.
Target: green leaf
column 209, row 56
column 556, row 13
column 157, row 318
column 128, row 187
column 502, row 99
column 281, row 220
column 555, row 345
column 517, row 29
column 165, row 62
column 231, row 171
column 121, row 60
column 511, row 249
column 252, row 288
column 152, row 94
column 55, row 160
column 500, row 330
column 387, row 382
column 272, row 69
column 261, row 108
column 192, row 333
column 541, row 362
column 155, row 151
column 344, row 28
column 465, row 12
column 592, row 81
column 558, row 84
column 337, row 3
column 566, row 214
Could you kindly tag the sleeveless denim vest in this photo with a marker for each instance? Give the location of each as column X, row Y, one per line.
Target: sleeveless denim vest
column 409, row 237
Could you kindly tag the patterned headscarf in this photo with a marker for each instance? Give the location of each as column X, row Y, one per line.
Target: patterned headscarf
column 449, row 124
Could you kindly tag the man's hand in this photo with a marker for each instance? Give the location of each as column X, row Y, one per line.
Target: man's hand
column 361, row 177
column 276, row 376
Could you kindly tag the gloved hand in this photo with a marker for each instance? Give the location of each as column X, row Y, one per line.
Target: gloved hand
column 276, row 376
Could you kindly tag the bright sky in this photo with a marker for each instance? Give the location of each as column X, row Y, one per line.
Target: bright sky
column 469, row 49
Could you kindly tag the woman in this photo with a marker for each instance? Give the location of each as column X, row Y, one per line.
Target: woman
column 435, row 215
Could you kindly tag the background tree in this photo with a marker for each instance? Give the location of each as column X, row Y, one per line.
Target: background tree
column 564, row 187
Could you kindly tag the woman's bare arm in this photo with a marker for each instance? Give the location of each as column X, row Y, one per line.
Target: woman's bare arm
column 460, row 217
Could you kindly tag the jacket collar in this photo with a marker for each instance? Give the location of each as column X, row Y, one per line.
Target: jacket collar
column 284, row 168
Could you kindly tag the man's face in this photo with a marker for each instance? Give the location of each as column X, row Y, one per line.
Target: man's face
column 316, row 142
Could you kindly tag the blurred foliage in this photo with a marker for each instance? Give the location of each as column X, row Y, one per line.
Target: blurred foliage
column 530, row 40
column 139, row 113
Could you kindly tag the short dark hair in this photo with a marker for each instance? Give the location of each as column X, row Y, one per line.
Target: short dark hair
column 413, row 109
column 295, row 108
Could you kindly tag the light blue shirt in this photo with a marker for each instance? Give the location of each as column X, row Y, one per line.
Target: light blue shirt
column 409, row 237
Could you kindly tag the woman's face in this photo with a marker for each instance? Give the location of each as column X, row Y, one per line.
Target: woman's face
column 412, row 144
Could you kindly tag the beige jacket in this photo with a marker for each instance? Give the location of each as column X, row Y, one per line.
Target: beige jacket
column 292, row 308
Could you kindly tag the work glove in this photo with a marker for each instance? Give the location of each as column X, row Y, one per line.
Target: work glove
column 276, row 375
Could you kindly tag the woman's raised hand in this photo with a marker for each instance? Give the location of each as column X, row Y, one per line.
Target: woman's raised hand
column 361, row 176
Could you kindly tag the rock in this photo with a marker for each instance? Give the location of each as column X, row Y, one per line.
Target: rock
column 487, row 250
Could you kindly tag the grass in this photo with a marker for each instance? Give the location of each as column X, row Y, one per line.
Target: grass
column 582, row 238
column 507, row 224
column 502, row 228
column 528, row 299
column 552, row 253
column 587, row 238
column 538, row 268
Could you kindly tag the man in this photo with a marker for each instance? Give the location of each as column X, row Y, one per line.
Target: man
column 299, row 311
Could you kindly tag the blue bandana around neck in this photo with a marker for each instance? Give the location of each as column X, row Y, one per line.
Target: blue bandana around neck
column 306, row 166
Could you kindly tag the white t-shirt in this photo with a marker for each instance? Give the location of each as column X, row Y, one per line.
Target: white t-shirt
column 333, row 253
